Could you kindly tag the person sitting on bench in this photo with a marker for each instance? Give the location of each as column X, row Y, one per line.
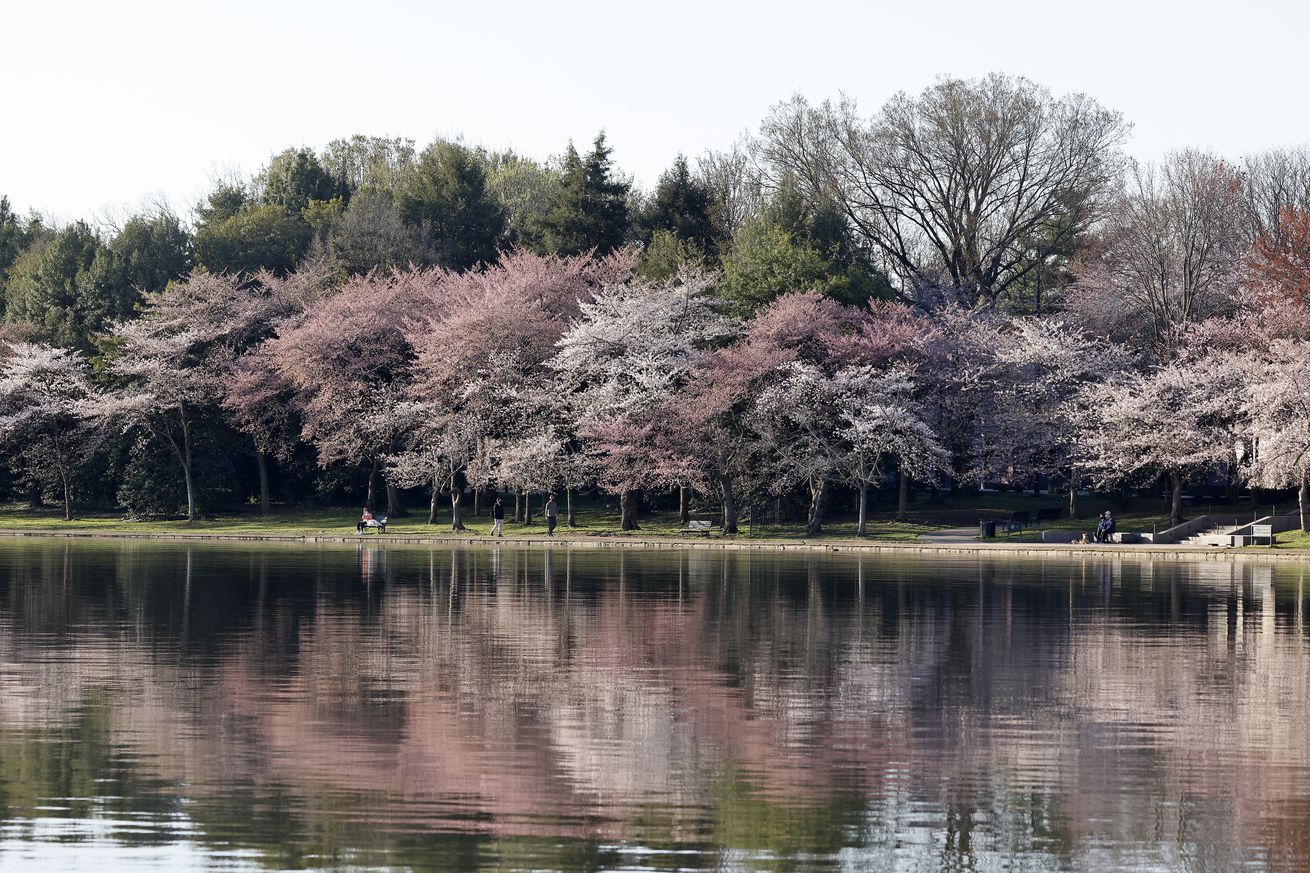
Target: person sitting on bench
column 364, row 518
column 1105, row 528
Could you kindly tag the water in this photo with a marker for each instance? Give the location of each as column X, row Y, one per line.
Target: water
column 256, row 707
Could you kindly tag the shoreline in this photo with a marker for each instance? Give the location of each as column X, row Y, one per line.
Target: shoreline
column 1141, row 552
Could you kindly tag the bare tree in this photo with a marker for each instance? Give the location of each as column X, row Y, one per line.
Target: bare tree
column 972, row 182
column 735, row 181
column 1276, row 179
column 1168, row 255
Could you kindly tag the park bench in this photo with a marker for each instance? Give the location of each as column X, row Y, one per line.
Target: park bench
column 380, row 523
column 1018, row 520
column 698, row 527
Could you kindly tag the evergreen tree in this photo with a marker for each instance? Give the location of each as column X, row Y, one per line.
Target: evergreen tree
column 266, row 237
column 794, row 246
column 144, row 256
column 51, row 286
column 296, row 177
column 591, row 211
column 16, row 234
column 447, row 193
column 682, row 206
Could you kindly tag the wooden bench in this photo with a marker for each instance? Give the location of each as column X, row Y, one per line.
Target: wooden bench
column 701, row 527
column 379, row 523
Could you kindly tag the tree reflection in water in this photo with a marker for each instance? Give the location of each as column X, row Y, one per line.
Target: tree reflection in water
column 593, row 708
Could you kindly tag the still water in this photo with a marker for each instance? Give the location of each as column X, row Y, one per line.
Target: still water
column 256, row 707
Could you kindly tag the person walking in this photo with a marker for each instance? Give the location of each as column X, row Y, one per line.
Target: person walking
column 498, row 519
column 552, row 515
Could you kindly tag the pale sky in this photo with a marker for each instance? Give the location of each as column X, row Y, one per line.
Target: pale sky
column 106, row 105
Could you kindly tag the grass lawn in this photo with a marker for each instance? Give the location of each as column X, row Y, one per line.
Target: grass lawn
column 598, row 519
column 293, row 521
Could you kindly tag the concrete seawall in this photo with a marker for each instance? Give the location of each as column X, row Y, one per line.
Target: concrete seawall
column 1142, row 552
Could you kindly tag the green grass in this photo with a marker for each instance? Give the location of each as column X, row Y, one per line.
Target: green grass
column 290, row 521
column 1292, row 539
column 601, row 520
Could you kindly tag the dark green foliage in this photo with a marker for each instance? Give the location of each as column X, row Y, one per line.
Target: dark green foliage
column 682, row 206
column 152, row 485
column 263, row 238
column 446, row 193
column 226, row 201
column 295, row 177
column 16, row 234
column 795, row 246
column 51, row 285
column 591, row 209
column 147, row 254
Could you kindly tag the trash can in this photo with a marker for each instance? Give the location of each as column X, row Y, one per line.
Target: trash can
column 986, row 530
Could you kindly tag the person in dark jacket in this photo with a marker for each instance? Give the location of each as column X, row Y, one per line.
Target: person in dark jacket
column 552, row 516
column 498, row 519
column 1105, row 528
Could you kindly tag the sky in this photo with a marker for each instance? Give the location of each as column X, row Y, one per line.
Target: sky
column 109, row 106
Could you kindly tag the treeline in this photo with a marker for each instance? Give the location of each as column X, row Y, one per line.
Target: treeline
column 970, row 285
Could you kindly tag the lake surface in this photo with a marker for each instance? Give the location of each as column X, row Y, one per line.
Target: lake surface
column 256, row 707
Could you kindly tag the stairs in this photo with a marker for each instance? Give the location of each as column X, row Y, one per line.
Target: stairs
column 1219, row 536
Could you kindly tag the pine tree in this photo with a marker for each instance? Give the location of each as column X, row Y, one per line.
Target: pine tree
column 447, row 192
column 681, row 206
column 591, row 211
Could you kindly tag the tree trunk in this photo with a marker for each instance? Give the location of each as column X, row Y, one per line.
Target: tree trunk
column 261, row 461
column 628, row 511
column 729, row 506
column 518, row 505
column 527, row 507
column 818, row 496
column 394, row 509
column 684, row 511
column 1073, row 495
column 864, row 508
column 68, row 498
column 568, row 502
column 1303, row 503
column 1176, row 501
column 186, row 472
column 432, row 504
column 456, row 498
column 903, row 497
column 370, row 497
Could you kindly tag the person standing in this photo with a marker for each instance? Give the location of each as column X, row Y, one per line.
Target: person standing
column 552, row 515
column 498, row 519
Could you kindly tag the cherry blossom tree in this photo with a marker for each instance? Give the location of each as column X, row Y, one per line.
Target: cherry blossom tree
column 1030, row 423
column 49, row 419
column 437, row 450
column 257, row 399
column 846, row 426
column 629, row 351
column 349, row 362
column 1176, row 421
column 517, row 310
column 172, row 363
column 1277, row 408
